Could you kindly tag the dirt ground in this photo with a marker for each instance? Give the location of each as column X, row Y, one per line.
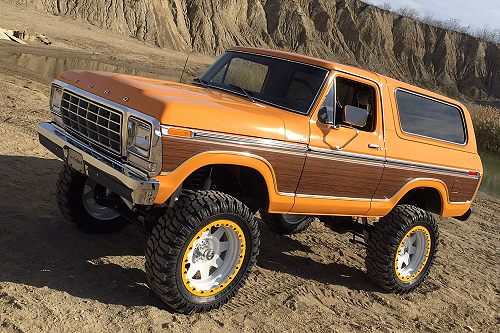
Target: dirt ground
column 54, row 278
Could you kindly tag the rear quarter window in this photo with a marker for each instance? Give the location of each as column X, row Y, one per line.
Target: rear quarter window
column 430, row 118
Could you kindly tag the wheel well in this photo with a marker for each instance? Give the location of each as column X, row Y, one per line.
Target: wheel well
column 243, row 183
column 427, row 198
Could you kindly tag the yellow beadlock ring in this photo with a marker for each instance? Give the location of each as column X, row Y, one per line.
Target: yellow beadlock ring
column 416, row 261
column 204, row 249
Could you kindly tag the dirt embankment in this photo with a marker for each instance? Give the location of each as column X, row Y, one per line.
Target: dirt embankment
column 348, row 31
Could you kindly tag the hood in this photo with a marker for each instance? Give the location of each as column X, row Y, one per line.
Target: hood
column 176, row 104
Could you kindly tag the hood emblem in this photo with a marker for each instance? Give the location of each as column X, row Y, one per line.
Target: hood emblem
column 91, row 85
column 125, row 99
column 77, row 80
column 106, row 92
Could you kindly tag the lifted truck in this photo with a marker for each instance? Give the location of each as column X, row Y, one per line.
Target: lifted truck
column 291, row 136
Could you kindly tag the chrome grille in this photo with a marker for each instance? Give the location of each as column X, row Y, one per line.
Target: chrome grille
column 93, row 121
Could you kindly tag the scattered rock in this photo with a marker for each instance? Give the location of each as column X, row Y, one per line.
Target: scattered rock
column 43, row 39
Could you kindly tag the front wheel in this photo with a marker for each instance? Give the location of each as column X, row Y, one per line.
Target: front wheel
column 75, row 194
column 201, row 251
column 286, row 223
column 402, row 248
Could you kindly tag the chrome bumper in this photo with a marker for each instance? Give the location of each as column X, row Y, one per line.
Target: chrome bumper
column 121, row 179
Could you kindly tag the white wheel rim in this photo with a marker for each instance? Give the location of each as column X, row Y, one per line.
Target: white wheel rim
column 213, row 258
column 413, row 253
column 292, row 218
column 92, row 207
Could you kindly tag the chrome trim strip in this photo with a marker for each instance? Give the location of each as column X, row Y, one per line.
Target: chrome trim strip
column 334, row 154
column 313, row 102
column 279, row 58
column 464, row 124
column 426, row 166
column 381, row 200
column 357, row 75
column 241, row 154
column 312, row 196
column 156, row 147
column 142, row 190
column 388, row 161
column 226, row 139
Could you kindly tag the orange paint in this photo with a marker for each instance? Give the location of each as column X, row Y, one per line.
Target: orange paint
column 191, row 108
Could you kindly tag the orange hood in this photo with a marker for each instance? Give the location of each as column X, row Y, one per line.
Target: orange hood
column 176, row 104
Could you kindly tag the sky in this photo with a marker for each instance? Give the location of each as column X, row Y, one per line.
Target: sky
column 476, row 13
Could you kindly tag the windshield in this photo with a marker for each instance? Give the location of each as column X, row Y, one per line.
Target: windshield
column 283, row 83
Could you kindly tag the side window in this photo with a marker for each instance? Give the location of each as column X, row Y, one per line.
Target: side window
column 357, row 94
column 430, row 118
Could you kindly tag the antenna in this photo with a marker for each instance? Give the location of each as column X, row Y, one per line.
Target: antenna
column 182, row 74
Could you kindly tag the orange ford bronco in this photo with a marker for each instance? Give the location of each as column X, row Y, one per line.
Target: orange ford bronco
column 292, row 136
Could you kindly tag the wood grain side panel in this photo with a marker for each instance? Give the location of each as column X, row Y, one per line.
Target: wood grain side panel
column 340, row 177
column 287, row 167
column 461, row 188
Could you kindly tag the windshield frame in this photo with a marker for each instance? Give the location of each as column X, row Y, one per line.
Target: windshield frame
column 239, row 93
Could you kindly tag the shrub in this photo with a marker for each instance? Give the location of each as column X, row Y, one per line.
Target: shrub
column 486, row 120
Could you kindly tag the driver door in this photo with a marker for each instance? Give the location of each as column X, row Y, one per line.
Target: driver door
column 340, row 176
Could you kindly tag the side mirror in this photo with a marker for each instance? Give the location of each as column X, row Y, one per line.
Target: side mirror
column 355, row 116
column 324, row 113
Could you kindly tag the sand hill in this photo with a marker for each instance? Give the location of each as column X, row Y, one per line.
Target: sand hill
column 348, row 31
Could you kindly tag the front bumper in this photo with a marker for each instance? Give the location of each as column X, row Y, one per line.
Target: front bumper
column 125, row 181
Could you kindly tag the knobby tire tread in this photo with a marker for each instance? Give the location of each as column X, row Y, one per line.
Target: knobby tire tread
column 280, row 226
column 171, row 234
column 383, row 244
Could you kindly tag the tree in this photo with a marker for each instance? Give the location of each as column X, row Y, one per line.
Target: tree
column 386, row 6
column 407, row 11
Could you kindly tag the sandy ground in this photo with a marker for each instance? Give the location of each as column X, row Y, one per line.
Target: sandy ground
column 54, row 278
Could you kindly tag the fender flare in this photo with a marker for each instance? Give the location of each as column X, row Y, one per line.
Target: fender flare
column 382, row 207
column 170, row 181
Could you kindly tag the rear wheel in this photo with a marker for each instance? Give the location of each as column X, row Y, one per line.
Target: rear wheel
column 402, row 248
column 201, row 251
column 75, row 194
column 286, row 223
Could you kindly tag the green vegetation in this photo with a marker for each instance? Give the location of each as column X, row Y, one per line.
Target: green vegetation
column 486, row 121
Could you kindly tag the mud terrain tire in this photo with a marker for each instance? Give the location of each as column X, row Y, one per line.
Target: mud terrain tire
column 201, row 251
column 287, row 224
column 70, row 192
column 401, row 249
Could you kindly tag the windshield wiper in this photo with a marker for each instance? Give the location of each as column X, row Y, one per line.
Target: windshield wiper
column 200, row 81
column 243, row 90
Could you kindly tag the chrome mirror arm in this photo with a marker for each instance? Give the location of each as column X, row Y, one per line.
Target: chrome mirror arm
column 348, row 141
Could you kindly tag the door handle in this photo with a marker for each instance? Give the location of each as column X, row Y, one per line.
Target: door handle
column 374, row 146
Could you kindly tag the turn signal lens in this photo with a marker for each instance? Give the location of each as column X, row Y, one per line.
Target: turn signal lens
column 180, row 132
column 473, row 173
